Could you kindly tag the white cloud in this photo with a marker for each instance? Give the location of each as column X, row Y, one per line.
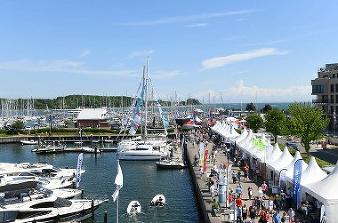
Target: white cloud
column 78, row 67
column 141, row 53
column 62, row 66
column 165, row 74
column 85, row 53
column 248, row 93
column 216, row 62
column 188, row 18
column 195, row 25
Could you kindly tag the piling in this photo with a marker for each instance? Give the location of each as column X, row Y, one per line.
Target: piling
column 92, row 208
column 105, row 220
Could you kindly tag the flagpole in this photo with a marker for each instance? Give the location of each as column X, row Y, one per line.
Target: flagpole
column 117, row 200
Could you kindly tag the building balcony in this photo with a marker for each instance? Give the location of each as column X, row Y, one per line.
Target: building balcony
column 320, row 101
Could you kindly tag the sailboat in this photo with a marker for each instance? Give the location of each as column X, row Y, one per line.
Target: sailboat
column 147, row 149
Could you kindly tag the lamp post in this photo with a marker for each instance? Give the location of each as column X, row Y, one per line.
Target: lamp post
column 279, row 175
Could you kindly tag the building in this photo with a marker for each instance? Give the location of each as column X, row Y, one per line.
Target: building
column 93, row 118
column 325, row 88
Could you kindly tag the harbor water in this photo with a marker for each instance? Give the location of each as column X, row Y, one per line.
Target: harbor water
column 142, row 181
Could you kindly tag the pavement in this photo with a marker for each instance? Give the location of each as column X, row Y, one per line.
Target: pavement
column 203, row 188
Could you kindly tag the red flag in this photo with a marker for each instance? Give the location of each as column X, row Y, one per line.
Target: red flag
column 205, row 160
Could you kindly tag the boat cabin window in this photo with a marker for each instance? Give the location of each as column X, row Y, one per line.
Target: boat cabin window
column 58, row 203
column 142, row 148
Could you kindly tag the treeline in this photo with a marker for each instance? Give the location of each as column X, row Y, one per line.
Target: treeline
column 77, row 101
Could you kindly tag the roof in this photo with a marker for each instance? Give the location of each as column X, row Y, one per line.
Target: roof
column 92, row 114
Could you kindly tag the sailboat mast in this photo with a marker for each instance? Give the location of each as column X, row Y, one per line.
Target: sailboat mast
column 145, row 79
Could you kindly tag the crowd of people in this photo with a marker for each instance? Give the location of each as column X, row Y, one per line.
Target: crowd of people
column 257, row 203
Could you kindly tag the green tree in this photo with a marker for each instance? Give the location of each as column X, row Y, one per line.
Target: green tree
column 307, row 123
column 18, row 125
column 275, row 122
column 250, row 107
column 266, row 108
column 254, row 121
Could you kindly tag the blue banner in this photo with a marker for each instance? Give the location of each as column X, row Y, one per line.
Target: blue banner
column 296, row 190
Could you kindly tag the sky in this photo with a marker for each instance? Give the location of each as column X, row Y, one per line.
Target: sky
column 225, row 51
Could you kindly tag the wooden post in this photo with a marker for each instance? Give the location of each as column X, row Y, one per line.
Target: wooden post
column 92, row 208
column 105, row 220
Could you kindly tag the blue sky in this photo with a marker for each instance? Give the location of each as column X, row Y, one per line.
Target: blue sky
column 231, row 50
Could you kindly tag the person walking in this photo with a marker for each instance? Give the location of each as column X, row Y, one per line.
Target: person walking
column 276, row 218
column 250, row 192
column 264, row 187
column 291, row 214
column 244, row 212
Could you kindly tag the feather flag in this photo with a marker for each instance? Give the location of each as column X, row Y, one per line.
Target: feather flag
column 79, row 169
column 118, row 182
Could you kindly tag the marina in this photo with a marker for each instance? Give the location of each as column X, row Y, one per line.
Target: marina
column 142, row 181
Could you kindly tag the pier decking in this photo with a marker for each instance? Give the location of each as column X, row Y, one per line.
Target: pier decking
column 201, row 189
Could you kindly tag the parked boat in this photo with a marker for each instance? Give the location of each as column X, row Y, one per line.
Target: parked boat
column 141, row 152
column 134, row 207
column 48, row 150
column 29, row 142
column 39, row 169
column 170, row 164
column 52, row 209
column 158, row 200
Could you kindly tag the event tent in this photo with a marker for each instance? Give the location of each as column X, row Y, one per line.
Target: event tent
column 313, row 173
column 284, row 160
column 326, row 191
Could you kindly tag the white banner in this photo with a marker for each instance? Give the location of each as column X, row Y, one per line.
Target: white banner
column 78, row 169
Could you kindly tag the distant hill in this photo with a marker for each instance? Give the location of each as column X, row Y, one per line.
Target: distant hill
column 76, row 101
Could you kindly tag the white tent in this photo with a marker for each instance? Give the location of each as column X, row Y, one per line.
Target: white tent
column 326, row 192
column 274, row 155
column 246, row 142
column 241, row 136
column 284, row 160
column 290, row 168
column 240, row 142
column 313, row 173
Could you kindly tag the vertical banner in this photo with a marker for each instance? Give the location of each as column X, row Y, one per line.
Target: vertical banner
column 201, row 153
column 205, row 160
column 322, row 214
column 78, row 169
column 297, row 175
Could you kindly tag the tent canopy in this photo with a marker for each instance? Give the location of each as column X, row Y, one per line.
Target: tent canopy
column 313, row 173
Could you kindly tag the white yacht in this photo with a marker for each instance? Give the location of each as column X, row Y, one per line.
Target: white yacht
column 51, row 209
column 142, row 152
column 29, row 142
column 39, row 169
column 45, row 182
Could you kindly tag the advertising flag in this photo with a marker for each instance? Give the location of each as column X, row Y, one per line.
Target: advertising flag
column 79, row 169
column 297, row 175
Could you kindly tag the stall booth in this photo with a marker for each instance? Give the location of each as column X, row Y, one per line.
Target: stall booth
column 279, row 166
column 326, row 191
